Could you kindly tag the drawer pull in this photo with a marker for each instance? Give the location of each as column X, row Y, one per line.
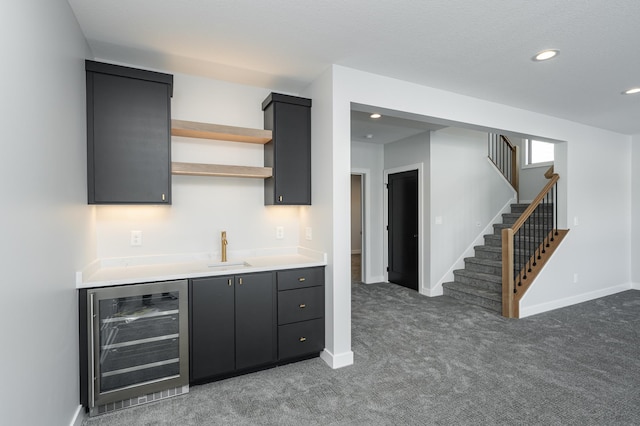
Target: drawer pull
column 302, row 306
column 229, row 282
column 240, row 281
column 302, row 339
column 302, row 279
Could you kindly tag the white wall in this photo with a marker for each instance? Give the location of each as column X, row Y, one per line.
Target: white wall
column 635, row 212
column 329, row 215
column 204, row 206
column 47, row 226
column 412, row 151
column 369, row 157
column 467, row 192
column 573, row 163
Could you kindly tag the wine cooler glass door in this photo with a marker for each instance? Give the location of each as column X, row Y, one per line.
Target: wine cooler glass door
column 139, row 339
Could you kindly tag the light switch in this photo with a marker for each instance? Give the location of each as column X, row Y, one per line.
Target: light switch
column 308, row 233
column 279, row 232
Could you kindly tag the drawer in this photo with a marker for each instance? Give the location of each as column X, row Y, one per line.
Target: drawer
column 300, row 278
column 300, row 339
column 300, row 305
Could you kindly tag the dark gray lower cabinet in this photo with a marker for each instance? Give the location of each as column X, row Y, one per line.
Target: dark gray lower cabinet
column 300, row 313
column 252, row 321
column 232, row 324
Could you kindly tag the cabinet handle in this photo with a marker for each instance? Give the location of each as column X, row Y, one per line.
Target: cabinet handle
column 280, row 198
column 163, row 197
column 302, row 339
column 230, row 281
column 302, row 279
column 240, row 281
column 302, row 306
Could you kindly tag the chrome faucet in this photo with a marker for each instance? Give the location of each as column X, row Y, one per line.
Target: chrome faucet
column 224, row 246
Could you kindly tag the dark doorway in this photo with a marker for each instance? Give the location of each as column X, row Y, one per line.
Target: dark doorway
column 403, row 228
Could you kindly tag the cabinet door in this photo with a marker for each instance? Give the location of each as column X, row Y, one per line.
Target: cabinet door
column 289, row 153
column 212, row 337
column 255, row 320
column 128, row 125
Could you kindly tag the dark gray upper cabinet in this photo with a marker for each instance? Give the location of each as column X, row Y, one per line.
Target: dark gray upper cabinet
column 289, row 153
column 128, row 135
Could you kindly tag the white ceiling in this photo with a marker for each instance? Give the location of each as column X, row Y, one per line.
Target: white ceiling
column 477, row 48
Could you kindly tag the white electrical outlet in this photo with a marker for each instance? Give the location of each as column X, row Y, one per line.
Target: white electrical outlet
column 279, row 232
column 308, row 233
column 575, row 278
column 438, row 220
column 136, row 238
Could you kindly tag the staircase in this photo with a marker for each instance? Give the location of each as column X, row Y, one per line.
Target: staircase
column 480, row 282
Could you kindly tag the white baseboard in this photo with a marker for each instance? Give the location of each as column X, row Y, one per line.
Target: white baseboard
column 337, row 361
column 78, row 417
column 374, row 280
column 573, row 300
column 635, row 286
column 433, row 292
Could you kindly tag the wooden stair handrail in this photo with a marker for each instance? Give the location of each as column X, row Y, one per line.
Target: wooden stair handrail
column 510, row 297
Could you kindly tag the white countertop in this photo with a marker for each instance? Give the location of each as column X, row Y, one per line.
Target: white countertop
column 110, row 272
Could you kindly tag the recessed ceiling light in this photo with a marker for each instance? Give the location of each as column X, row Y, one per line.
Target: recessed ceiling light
column 375, row 115
column 631, row 91
column 546, row 54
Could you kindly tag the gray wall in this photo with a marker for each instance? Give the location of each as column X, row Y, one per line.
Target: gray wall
column 46, row 224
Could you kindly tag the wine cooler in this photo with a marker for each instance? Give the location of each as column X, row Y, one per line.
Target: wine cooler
column 137, row 344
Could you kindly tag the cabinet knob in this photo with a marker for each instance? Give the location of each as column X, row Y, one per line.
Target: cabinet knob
column 302, row 306
column 302, row 279
column 302, row 339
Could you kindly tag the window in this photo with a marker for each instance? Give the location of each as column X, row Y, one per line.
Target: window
column 538, row 152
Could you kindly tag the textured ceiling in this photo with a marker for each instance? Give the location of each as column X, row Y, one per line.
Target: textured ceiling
column 477, row 48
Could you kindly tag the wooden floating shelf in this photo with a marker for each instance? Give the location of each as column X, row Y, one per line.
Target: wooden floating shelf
column 193, row 129
column 199, row 169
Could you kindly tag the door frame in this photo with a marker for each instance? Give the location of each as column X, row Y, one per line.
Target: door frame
column 385, row 209
column 365, row 211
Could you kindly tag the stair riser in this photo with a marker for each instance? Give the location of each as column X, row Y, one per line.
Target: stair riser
column 486, row 269
column 536, row 230
column 489, row 255
column 520, row 208
column 492, row 241
column 509, row 220
column 487, row 285
column 479, row 301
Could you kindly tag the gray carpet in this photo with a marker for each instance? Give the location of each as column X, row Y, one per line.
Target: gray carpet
column 438, row 361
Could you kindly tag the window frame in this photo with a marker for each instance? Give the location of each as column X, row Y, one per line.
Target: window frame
column 527, row 155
